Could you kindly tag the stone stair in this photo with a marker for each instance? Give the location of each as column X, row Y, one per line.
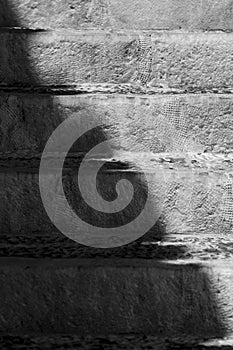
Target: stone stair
column 156, row 78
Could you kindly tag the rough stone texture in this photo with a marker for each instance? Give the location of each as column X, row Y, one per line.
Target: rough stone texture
column 185, row 61
column 195, row 200
column 133, row 14
column 55, row 245
column 158, row 246
column 112, row 342
column 184, row 123
column 115, row 296
column 189, row 199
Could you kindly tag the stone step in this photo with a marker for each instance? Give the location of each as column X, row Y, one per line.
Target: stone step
column 168, row 123
column 68, row 57
column 192, row 247
column 134, row 14
column 113, row 296
column 182, row 196
column 112, row 342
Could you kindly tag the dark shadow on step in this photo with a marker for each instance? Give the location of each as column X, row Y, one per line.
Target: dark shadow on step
column 60, row 246
column 39, row 126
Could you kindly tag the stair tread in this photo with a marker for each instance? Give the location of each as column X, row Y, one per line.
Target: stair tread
column 187, row 247
column 112, row 342
column 124, row 161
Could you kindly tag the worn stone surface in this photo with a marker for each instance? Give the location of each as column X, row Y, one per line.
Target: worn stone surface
column 188, row 61
column 159, row 246
column 184, row 123
column 56, row 245
column 115, row 296
column 194, row 195
column 188, row 199
column 149, row 14
column 121, row 161
column 112, row 342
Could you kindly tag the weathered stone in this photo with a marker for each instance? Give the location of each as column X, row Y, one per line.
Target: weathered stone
column 159, row 246
column 133, row 14
column 191, row 194
column 187, row 199
column 115, row 296
column 184, row 123
column 113, row 342
column 182, row 61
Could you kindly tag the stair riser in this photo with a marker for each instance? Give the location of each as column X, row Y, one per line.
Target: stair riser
column 187, row 201
column 65, row 58
column 151, row 14
column 87, row 298
column 157, row 124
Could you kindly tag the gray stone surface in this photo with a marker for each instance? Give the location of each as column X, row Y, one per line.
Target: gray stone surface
column 183, row 61
column 115, row 296
column 133, row 14
column 113, row 342
column 118, row 294
column 159, row 246
column 188, row 199
column 184, row 123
